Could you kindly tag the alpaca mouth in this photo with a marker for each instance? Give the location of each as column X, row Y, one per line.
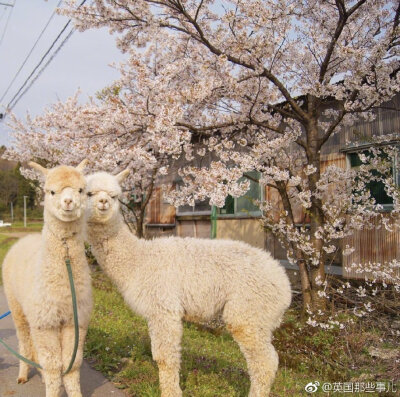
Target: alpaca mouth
column 69, row 213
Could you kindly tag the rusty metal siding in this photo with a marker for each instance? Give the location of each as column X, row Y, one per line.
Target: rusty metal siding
column 371, row 246
column 337, row 159
column 153, row 208
column 158, row 211
column 272, row 195
column 386, row 122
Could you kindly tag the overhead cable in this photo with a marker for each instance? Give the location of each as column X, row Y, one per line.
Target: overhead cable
column 11, row 105
column 30, row 52
column 8, row 20
column 15, row 99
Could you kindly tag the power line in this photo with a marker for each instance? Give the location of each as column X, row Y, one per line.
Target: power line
column 40, row 62
column 8, row 20
column 4, row 13
column 14, row 101
column 10, row 106
column 30, row 52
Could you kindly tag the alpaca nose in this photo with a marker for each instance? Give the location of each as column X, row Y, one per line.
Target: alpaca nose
column 103, row 201
column 68, row 201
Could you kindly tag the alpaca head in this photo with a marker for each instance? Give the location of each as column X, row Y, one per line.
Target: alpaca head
column 103, row 192
column 65, row 195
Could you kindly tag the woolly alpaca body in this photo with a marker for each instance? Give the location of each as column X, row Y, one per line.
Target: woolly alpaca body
column 38, row 293
column 169, row 279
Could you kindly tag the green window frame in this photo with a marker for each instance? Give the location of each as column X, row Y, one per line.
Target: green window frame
column 244, row 206
column 376, row 188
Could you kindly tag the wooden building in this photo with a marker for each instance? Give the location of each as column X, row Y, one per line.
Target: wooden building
column 240, row 218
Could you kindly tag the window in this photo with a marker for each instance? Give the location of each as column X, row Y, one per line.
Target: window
column 244, row 205
column 235, row 206
column 199, row 208
column 376, row 188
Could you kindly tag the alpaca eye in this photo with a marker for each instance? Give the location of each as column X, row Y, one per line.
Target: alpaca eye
column 80, row 190
column 90, row 194
column 52, row 192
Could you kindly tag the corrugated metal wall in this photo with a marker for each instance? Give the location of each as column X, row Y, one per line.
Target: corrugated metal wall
column 159, row 211
column 371, row 246
column 386, row 122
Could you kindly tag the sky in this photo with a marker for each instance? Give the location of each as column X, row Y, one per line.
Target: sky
column 82, row 63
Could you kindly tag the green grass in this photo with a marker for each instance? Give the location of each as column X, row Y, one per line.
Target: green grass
column 5, row 244
column 7, row 241
column 118, row 345
column 212, row 365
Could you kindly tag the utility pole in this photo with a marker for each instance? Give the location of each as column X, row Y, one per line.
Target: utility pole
column 25, row 197
column 12, row 212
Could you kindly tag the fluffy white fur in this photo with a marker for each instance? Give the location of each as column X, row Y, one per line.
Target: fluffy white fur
column 169, row 279
column 37, row 287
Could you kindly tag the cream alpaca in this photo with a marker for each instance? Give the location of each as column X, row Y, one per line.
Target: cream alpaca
column 169, row 279
column 37, row 287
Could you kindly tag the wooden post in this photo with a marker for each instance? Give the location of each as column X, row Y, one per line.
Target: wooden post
column 25, row 210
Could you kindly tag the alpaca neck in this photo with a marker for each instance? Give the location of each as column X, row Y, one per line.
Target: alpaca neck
column 114, row 228
column 63, row 239
column 110, row 242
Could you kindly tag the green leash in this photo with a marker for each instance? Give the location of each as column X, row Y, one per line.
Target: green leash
column 75, row 309
column 76, row 325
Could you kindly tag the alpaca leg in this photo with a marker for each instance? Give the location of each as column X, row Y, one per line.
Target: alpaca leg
column 261, row 357
column 24, row 338
column 166, row 335
column 72, row 379
column 48, row 349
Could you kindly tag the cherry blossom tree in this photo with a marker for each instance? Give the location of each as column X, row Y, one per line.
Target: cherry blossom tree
column 115, row 132
column 229, row 86
column 263, row 85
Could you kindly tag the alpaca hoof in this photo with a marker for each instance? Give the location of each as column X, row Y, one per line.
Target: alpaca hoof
column 22, row 380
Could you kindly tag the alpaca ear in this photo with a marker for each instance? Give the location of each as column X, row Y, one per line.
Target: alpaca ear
column 38, row 167
column 122, row 175
column 82, row 165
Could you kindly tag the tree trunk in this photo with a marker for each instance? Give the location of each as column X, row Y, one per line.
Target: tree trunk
column 317, row 218
column 305, row 286
column 317, row 290
column 140, row 226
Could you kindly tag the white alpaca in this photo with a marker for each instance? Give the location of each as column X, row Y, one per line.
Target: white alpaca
column 169, row 279
column 37, row 286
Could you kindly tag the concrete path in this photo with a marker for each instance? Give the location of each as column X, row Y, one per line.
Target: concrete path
column 17, row 234
column 93, row 382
